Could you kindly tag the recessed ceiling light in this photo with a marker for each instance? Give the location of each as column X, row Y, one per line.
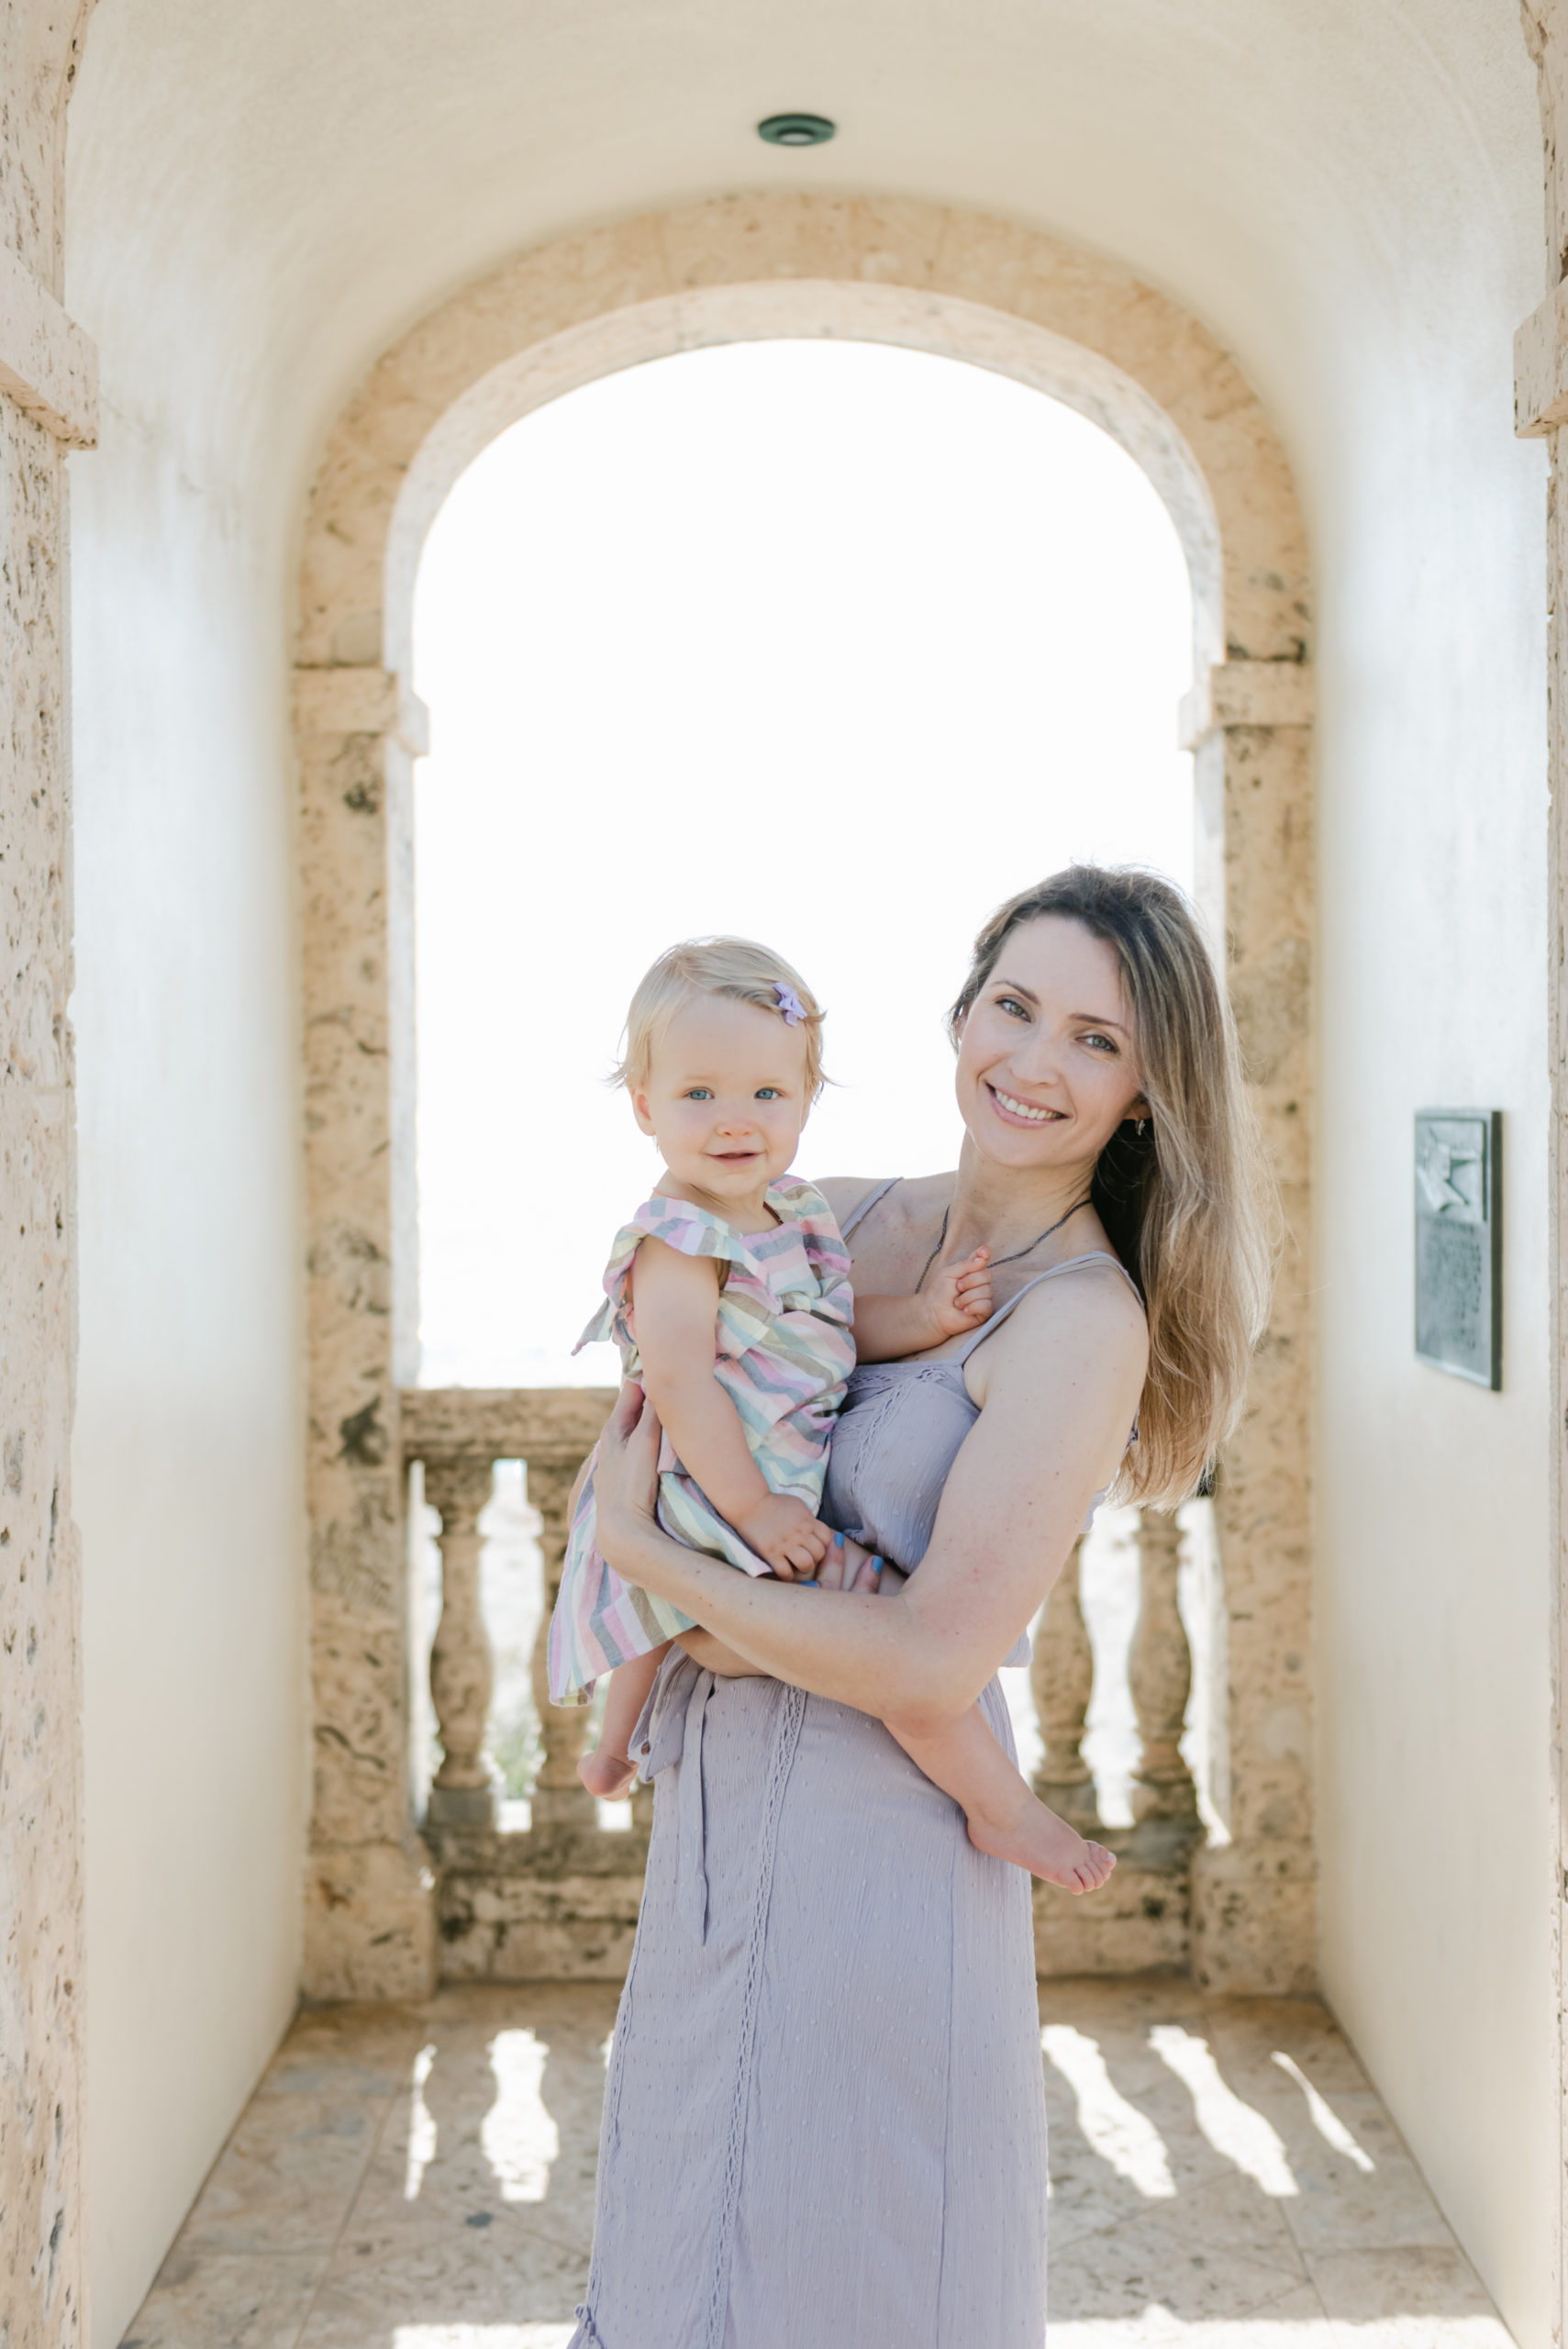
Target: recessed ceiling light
column 796, row 129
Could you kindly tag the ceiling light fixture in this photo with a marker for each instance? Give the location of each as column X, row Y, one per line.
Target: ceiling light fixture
column 796, row 129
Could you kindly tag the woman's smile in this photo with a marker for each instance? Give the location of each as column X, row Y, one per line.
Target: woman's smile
column 1018, row 1112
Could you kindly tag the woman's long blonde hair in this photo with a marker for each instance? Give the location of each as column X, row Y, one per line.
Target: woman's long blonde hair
column 1189, row 1205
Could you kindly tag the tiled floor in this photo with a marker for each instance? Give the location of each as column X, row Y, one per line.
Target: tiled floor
column 422, row 2177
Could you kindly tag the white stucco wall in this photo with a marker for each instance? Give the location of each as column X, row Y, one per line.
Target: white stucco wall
column 261, row 199
column 188, row 1424
column 1434, row 1557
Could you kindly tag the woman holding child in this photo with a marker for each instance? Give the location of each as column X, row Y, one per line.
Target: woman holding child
column 824, row 2119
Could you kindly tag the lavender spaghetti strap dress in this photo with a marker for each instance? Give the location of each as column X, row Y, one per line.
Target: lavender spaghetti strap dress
column 824, row 2118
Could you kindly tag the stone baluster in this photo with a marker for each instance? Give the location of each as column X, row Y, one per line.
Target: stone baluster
column 559, row 1796
column 463, row 1792
column 1062, row 1680
column 1160, row 1671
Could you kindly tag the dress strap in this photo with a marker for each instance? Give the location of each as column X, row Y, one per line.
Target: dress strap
column 862, row 1207
column 1094, row 1256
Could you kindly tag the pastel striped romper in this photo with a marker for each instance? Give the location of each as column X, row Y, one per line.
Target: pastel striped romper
column 782, row 1354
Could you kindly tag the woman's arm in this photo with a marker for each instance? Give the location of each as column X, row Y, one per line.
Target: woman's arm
column 1061, row 1379
column 847, row 1566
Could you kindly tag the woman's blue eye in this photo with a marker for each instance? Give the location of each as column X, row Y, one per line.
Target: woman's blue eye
column 1010, row 1003
column 1107, row 1043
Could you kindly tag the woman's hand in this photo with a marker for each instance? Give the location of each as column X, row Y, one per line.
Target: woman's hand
column 847, row 1567
column 626, row 1473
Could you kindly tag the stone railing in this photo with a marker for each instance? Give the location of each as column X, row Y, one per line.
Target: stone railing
column 559, row 1896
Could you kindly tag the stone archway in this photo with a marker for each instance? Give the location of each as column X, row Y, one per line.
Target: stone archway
column 999, row 295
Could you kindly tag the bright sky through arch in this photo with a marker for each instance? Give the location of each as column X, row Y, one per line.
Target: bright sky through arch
column 832, row 644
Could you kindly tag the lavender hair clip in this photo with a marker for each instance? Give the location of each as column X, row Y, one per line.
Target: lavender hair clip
column 789, row 1004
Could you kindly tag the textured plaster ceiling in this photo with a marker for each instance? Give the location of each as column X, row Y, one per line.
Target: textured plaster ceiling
column 262, row 195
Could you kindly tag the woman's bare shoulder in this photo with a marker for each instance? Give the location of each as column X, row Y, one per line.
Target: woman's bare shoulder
column 1092, row 1314
column 914, row 1194
column 844, row 1193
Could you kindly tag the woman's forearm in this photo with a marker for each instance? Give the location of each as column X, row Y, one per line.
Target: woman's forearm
column 852, row 1646
column 714, row 1656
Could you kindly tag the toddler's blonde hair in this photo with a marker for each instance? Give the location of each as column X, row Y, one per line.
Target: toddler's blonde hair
column 739, row 970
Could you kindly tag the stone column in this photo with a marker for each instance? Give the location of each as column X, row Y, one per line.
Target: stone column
column 1160, row 1674
column 1061, row 1681
column 463, row 1792
column 559, row 1796
column 48, row 406
column 370, row 1908
column 1253, row 1912
column 1541, row 411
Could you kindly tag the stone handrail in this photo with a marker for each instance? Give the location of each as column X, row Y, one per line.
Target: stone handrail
column 458, row 1433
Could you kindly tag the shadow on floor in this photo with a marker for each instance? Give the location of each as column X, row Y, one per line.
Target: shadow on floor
column 422, row 2177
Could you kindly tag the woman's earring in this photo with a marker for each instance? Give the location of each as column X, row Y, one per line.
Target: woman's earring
column 1141, row 1123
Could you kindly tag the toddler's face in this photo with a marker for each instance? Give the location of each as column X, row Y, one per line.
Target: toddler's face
column 726, row 1097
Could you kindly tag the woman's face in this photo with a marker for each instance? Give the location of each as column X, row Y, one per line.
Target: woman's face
column 1047, row 1062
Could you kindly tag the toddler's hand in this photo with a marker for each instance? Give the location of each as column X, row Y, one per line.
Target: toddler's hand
column 960, row 1296
column 783, row 1531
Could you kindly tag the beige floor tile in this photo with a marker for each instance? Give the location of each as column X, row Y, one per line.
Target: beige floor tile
column 287, row 2177
column 1117, row 2107
column 503, row 2123
column 1295, row 2321
column 1341, row 2207
column 485, row 2336
column 1231, row 2214
column 1139, row 2267
column 486, row 2102
column 378, row 2044
column 480, row 2281
column 217, row 2300
column 1412, row 2298
column 1248, row 2032
column 1086, row 2197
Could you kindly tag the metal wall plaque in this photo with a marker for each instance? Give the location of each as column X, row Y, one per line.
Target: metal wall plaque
column 1459, row 1242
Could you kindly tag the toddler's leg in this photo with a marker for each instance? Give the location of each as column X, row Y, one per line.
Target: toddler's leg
column 608, row 1770
column 1005, row 1818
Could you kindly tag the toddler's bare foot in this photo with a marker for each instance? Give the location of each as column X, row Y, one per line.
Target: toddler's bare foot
column 608, row 1775
column 1034, row 1838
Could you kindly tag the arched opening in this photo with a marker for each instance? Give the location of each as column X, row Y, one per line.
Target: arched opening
column 834, row 644
column 749, row 271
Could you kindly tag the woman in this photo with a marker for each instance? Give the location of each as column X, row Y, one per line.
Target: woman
column 824, row 2121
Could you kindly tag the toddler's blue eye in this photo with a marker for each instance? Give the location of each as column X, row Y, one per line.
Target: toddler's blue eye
column 768, row 1092
column 699, row 1093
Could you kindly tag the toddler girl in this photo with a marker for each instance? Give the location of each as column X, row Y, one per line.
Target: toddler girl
column 728, row 1296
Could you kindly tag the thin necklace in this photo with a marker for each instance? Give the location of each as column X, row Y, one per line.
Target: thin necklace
column 1085, row 1201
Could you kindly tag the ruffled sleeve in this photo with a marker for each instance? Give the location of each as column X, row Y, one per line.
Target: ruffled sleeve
column 826, row 1251
column 689, row 1229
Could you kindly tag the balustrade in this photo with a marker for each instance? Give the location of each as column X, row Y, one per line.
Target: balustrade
column 460, row 1433
column 460, row 1675
column 1160, row 1670
column 559, row 1795
column 1061, row 1681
